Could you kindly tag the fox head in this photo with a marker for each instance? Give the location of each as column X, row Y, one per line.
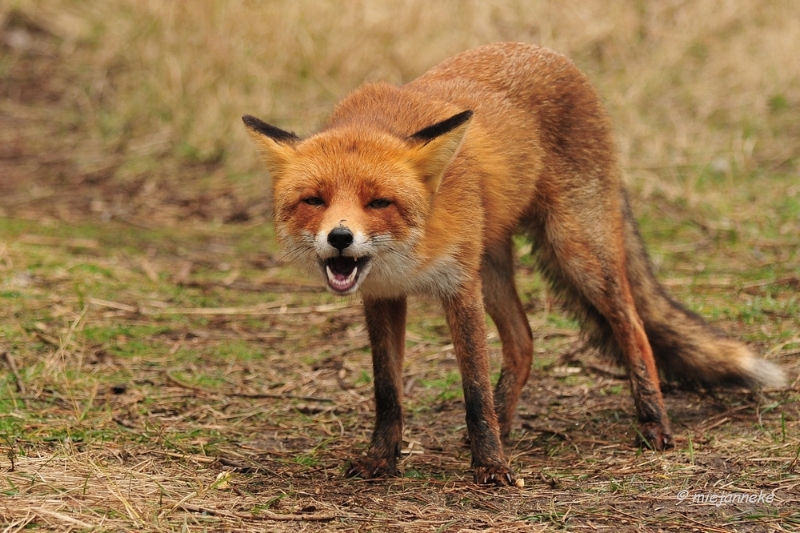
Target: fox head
column 353, row 201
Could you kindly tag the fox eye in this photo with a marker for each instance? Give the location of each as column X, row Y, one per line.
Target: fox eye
column 379, row 203
column 316, row 201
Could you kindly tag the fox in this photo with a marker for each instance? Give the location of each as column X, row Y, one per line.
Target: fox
column 419, row 189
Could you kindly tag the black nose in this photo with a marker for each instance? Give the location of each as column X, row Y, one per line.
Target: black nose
column 340, row 238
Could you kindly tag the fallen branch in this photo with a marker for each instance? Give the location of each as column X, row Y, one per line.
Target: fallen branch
column 259, row 395
column 262, row 287
column 273, row 308
column 41, row 240
column 254, row 395
column 786, row 280
column 261, row 515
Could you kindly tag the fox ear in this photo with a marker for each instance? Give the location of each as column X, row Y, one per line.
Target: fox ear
column 276, row 146
column 435, row 146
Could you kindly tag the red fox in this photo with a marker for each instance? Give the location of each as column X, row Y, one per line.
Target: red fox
column 418, row 189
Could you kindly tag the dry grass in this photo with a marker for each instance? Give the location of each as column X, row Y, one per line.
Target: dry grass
column 167, row 371
column 689, row 84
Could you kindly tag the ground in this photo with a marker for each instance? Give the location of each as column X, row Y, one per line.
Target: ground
column 165, row 369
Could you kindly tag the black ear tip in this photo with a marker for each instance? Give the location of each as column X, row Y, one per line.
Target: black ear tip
column 259, row 126
column 251, row 122
column 457, row 120
column 440, row 128
column 462, row 117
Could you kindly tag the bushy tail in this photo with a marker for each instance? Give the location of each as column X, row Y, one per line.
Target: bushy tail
column 686, row 348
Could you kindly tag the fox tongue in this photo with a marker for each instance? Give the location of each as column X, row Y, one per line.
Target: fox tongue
column 342, row 272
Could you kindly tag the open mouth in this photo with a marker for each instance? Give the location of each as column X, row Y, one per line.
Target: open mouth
column 343, row 272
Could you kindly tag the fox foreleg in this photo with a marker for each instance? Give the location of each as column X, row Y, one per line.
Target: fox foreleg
column 386, row 325
column 466, row 319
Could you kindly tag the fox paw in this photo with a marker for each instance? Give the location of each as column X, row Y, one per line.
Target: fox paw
column 654, row 436
column 371, row 468
column 494, row 475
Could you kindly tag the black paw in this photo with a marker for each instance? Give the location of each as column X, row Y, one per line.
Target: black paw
column 371, row 468
column 655, row 436
column 494, row 475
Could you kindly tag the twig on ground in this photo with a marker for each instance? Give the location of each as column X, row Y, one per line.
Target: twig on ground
column 259, row 396
column 261, row 515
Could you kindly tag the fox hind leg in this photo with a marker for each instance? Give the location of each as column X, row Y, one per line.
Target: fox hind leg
column 587, row 265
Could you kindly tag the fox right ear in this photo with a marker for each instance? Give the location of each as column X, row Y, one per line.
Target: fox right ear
column 275, row 145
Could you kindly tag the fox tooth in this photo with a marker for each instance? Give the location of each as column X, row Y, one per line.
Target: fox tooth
column 352, row 275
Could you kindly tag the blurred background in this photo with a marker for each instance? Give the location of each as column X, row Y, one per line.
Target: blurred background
column 130, row 109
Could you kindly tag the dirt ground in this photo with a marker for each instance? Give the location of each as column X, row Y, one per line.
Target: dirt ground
column 165, row 370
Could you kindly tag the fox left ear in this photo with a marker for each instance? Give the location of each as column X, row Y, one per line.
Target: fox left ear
column 435, row 147
column 276, row 146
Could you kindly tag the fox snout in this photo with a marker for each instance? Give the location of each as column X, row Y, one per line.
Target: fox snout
column 344, row 271
column 340, row 238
